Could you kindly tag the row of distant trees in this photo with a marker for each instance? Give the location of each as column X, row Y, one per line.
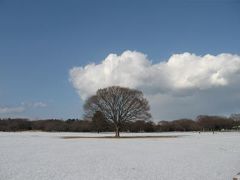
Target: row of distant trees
column 98, row 124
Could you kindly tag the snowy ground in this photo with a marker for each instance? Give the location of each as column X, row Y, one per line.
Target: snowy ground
column 46, row 156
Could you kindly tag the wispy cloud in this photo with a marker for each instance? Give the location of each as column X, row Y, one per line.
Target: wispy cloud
column 34, row 104
column 9, row 110
column 21, row 108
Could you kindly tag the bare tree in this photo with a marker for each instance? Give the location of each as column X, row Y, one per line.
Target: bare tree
column 119, row 105
column 235, row 117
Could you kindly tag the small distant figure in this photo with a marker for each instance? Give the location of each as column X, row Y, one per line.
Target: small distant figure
column 237, row 177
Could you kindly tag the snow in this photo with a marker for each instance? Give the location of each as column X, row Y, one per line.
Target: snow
column 47, row 156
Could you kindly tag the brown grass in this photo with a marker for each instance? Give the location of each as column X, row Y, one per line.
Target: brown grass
column 121, row 137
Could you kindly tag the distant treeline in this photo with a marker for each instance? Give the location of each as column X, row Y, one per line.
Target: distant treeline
column 201, row 123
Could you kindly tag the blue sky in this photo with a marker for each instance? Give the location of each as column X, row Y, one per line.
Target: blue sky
column 40, row 41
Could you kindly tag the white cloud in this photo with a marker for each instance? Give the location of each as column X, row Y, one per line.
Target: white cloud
column 39, row 104
column 34, row 104
column 23, row 107
column 8, row 110
column 184, row 83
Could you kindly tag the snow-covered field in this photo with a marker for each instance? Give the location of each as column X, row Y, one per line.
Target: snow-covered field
column 46, row 156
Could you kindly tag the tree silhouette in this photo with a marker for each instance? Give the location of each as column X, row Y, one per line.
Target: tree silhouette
column 119, row 105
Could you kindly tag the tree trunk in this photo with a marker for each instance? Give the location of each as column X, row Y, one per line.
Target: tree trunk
column 117, row 133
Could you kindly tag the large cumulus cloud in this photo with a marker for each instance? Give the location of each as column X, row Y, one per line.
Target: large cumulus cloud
column 182, row 86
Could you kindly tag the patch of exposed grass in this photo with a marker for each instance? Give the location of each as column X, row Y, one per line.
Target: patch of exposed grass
column 121, row 137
